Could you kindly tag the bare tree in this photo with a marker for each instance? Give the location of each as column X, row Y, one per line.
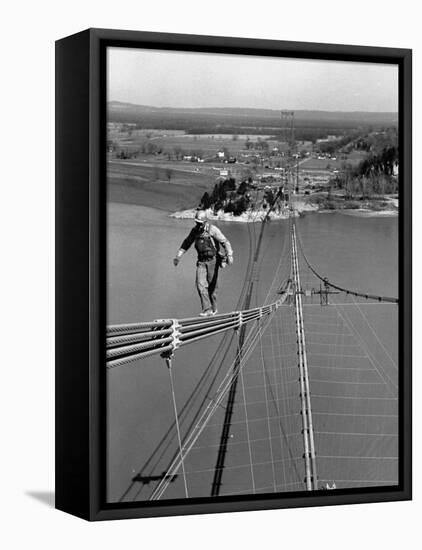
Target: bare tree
column 177, row 151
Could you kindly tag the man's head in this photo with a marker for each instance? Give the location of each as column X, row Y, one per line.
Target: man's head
column 200, row 218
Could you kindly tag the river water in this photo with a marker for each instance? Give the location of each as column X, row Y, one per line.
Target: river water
column 143, row 284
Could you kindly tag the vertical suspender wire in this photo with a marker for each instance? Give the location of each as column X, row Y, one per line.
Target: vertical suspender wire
column 374, row 333
column 278, row 401
column 283, row 342
column 176, row 418
column 246, row 417
column 268, row 409
column 210, row 409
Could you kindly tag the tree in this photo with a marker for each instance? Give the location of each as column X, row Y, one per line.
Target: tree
column 240, row 206
column 169, row 174
column 156, row 173
column 265, row 145
column 214, row 194
column 229, row 184
column 247, row 175
column 269, row 196
column 205, row 201
column 199, row 153
column 230, row 207
column 149, row 148
column 222, row 194
column 177, row 152
column 243, row 187
column 218, row 206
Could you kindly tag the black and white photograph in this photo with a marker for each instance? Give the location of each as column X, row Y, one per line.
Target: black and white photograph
column 252, row 275
column 210, row 286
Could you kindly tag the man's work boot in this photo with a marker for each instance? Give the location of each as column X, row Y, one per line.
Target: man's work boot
column 206, row 313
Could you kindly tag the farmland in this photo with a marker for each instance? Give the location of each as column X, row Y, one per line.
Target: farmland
column 166, row 186
column 206, row 144
column 171, row 168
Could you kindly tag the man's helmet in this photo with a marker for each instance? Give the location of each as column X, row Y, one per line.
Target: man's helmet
column 200, row 216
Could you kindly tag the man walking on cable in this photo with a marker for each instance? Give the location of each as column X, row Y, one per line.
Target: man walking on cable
column 207, row 239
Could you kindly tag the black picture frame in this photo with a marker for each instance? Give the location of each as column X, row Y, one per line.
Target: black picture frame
column 80, row 271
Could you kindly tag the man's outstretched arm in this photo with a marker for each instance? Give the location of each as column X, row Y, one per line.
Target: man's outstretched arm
column 186, row 244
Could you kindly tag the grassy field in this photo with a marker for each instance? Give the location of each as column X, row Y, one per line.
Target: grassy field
column 208, row 144
column 156, row 181
column 149, row 185
column 327, row 164
column 178, row 171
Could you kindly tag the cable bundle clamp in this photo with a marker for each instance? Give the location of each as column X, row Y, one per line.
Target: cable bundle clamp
column 175, row 337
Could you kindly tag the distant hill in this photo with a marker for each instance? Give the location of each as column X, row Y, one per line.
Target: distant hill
column 117, row 107
column 309, row 125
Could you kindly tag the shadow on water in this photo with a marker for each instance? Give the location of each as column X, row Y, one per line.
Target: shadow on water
column 222, row 350
column 148, row 479
column 169, row 435
column 45, row 497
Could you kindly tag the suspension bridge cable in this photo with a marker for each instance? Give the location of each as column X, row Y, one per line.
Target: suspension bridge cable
column 286, row 401
column 127, row 341
column 197, row 430
column 176, row 419
column 304, row 383
column 211, row 407
column 370, row 356
column 253, row 277
column 374, row 333
column 217, row 480
column 327, row 282
column 184, row 333
column 267, row 410
column 248, row 437
column 222, row 349
column 248, row 273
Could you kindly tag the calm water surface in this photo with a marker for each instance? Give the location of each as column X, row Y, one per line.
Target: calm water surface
column 143, row 284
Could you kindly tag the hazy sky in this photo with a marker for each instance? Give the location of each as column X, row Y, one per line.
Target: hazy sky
column 179, row 79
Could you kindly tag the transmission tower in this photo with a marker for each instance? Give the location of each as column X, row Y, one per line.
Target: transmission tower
column 288, row 128
column 291, row 165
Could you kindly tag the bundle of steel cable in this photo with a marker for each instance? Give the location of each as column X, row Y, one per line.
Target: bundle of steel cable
column 129, row 342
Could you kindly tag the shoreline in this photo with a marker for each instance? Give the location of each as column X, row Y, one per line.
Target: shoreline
column 173, row 200
column 301, row 210
column 246, row 217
